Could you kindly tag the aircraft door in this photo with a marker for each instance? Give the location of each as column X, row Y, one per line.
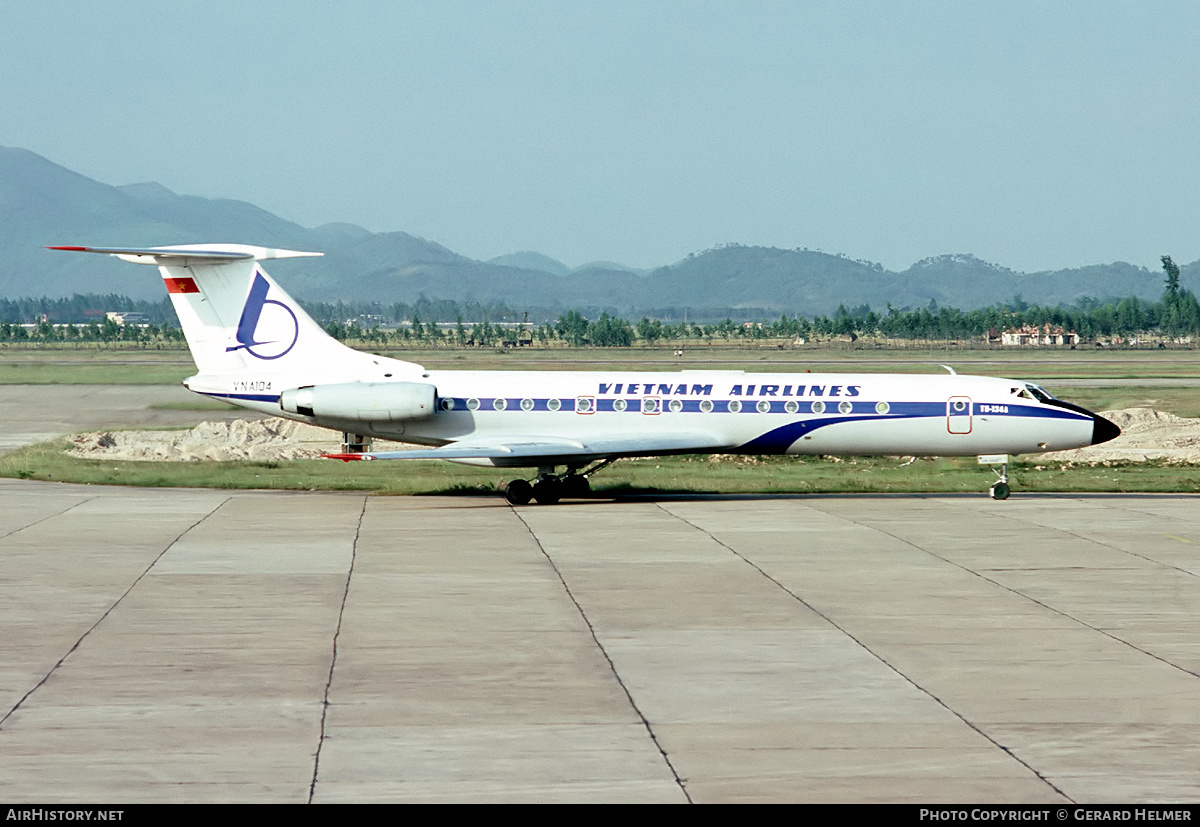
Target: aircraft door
column 958, row 415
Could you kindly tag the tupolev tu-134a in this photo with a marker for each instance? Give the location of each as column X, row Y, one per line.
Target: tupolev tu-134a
column 254, row 346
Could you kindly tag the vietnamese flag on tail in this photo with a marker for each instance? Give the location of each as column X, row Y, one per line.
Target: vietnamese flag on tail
column 181, row 284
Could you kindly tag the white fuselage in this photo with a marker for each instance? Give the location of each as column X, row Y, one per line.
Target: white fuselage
column 759, row 413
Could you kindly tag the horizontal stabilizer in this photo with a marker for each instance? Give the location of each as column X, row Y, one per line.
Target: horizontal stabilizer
column 190, row 254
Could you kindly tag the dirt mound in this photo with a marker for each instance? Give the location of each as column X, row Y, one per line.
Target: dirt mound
column 263, row 440
column 1146, row 434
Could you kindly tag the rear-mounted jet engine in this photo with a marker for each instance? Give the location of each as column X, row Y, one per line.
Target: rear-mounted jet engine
column 366, row 401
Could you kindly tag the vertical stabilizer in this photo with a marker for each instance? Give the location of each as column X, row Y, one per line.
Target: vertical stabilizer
column 234, row 316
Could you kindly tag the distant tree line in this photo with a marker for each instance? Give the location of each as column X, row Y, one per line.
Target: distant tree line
column 105, row 330
column 1090, row 319
column 428, row 322
column 1177, row 314
column 436, row 310
column 82, row 309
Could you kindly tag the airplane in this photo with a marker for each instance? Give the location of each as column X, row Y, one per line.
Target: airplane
column 255, row 347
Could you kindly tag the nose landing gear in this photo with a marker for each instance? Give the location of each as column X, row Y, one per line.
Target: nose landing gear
column 1000, row 488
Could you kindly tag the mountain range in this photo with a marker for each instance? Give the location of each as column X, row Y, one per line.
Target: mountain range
column 42, row 203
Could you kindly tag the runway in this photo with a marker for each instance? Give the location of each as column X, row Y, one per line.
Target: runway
column 213, row 646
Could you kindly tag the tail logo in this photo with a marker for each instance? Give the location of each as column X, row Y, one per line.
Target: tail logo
column 268, row 329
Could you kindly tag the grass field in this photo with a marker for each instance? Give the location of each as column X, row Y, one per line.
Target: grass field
column 148, row 366
column 729, row 475
column 83, row 366
column 1181, row 401
column 680, row 474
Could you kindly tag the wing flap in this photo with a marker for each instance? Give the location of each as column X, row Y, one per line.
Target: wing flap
column 517, row 450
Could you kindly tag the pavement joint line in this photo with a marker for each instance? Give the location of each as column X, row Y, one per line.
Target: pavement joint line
column 1069, row 533
column 84, row 501
column 1048, row 607
column 312, row 788
column 980, row 574
column 977, row 729
column 111, row 608
column 612, row 666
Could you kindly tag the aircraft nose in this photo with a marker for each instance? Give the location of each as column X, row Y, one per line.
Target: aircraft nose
column 1103, row 430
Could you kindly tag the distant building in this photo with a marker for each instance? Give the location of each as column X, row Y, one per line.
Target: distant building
column 1031, row 335
column 123, row 319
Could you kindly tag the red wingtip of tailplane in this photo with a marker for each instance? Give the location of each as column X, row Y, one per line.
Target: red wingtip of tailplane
column 72, row 249
column 347, row 457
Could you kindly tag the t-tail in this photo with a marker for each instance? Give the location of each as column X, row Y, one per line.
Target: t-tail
column 243, row 327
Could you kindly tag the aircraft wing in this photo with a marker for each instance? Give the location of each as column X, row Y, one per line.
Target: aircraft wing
column 537, row 450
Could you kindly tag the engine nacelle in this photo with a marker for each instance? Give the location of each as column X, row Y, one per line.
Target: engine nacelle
column 366, row 401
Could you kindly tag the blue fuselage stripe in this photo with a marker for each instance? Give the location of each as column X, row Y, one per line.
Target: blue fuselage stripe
column 249, row 397
column 845, row 407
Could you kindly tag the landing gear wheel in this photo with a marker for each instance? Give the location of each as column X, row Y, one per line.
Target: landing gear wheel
column 519, row 492
column 1000, row 491
column 574, row 485
column 547, row 491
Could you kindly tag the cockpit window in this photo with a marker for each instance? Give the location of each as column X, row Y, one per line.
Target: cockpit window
column 1039, row 393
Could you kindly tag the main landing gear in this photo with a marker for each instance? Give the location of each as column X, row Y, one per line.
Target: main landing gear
column 549, row 487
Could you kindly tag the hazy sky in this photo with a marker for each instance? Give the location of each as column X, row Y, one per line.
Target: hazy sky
column 1033, row 134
